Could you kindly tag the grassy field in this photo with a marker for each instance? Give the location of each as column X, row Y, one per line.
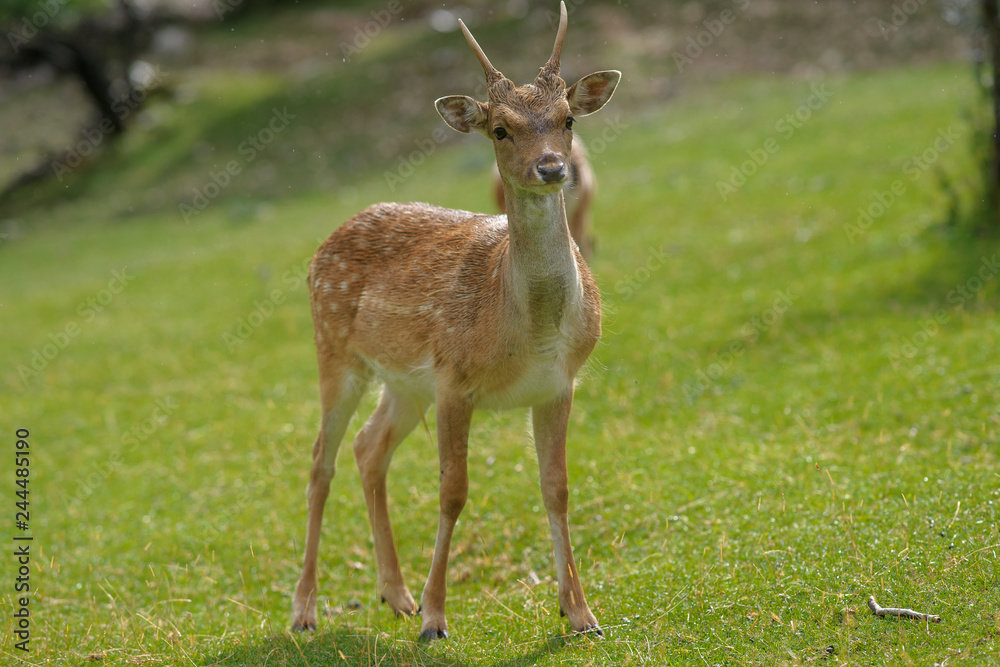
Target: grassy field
column 795, row 405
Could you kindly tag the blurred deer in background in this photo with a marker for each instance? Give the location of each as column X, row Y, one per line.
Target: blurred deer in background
column 579, row 191
column 466, row 311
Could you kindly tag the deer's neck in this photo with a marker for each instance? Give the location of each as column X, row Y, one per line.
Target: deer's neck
column 544, row 278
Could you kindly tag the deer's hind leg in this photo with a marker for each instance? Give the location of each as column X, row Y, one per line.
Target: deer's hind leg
column 395, row 416
column 341, row 388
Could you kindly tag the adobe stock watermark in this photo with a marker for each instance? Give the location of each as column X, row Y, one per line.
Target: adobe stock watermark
column 553, row 16
column 408, row 164
column 656, row 259
column 785, row 127
column 609, row 134
column 30, row 25
column 59, row 340
column 750, row 333
column 248, row 149
column 247, row 493
column 93, row 137
column 906, row 348
column 424, row 148
column 223, row 7
column 900, row 15
column 635, row 280
column 711, row 30
column 244, row 327
column 915, row 167
column 139, row 433
column 370, row 29
column 11, row 229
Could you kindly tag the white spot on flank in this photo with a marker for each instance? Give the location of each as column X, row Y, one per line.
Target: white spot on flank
column 343, row 285
column 342, row 265
column 333, row 308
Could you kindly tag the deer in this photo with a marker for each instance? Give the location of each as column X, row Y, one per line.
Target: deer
column 464, row 311
column 578, row 192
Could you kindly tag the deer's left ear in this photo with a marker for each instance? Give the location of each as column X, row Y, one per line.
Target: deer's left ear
column 462, row 113
column 592, row 92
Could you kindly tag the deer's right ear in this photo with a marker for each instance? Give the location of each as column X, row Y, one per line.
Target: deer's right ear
column 462, row 113
column 592, row 92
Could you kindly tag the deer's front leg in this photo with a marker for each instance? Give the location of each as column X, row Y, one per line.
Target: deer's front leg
column 549, row 422
column 454, row 415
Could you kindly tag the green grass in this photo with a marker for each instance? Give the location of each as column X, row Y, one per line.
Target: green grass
column 740, row 486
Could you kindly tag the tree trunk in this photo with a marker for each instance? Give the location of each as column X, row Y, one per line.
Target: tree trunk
column 70, row 58
column 991, row 23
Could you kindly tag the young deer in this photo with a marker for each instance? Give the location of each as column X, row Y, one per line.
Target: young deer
column 462, row 310
column 578, row 192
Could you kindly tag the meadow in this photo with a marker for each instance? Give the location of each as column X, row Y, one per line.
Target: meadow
column 795, row 404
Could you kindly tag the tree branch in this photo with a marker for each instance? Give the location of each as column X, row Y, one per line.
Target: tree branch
column 902, row 613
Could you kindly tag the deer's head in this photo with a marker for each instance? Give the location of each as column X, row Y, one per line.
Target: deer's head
column 530, row 125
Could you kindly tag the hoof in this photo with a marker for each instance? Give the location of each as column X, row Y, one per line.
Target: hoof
column 594, row 630
column 400, row 613
column 299, row 626
column 433, row 635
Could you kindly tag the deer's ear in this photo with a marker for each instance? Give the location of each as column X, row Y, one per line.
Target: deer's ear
column 592, row 92
column 462, row 113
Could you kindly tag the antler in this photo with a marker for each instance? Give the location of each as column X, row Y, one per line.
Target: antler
column 492, row 73
column 551, row 68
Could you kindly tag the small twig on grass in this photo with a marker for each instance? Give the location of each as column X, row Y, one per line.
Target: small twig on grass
column 903, row 613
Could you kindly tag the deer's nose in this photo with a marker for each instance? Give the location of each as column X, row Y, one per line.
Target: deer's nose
column 551, row 169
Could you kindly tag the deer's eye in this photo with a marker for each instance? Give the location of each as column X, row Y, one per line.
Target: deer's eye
column 569, row 123
column 499, row 133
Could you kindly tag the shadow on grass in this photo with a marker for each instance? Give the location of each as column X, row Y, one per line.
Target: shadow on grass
column 362, row 647
column 962, row 274
column 957, row 271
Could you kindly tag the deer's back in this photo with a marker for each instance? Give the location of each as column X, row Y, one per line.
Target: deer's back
column 416, row 291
